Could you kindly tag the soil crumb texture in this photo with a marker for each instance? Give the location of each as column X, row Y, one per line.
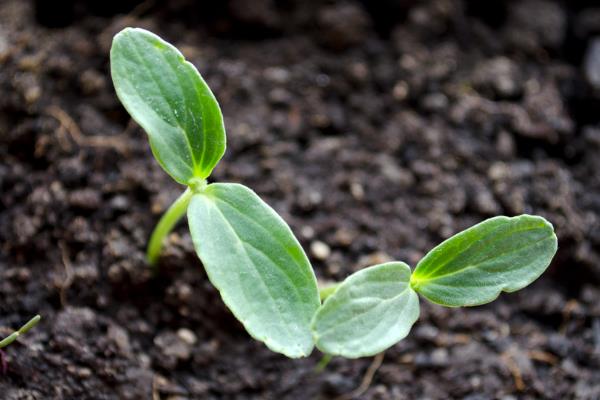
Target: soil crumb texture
column 376, row 128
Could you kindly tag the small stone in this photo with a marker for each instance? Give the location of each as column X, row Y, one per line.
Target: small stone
column 426, row 333
column 498, row 171
column 484, row 202
column 169, row 389
column 408, row 62
column 32, row 94
column 92, row 81
column 591, row 64
column 357, row 191
column 277, row 74
column 80, row 372
column 4, row 46
column 88, row 199
column 120, row 202
column 392, row 171
column 591, row 135
column 400, row 91
column 378, row 257
column 439, row 357
column 505, row 144
column 435, row 102
column 187, row 336
column 171, row 345
column 307, row 232
column 333, row 268
column 320, row 250
column 335, row 384
column 475, row 381
column 120, row 337
column 198, row 387
column 280, row 96
column 344, row 237
column 184, row 292
column 359, row 71
column 500, row 75
column 309, row 199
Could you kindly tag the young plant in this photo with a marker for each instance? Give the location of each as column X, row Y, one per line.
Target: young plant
column 15, row 335
column 252, row 257
column 249, row 252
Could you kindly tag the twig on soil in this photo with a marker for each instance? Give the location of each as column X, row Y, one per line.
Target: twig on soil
column 66, row 283
column 542, row 356
column 367, row 379
column 513, row 368
column 71, row 127
column 570, row 307
column 155, row 394
column 448, row 339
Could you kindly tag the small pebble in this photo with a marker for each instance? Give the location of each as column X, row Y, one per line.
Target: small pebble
column 591, row 64
column 357, row 191
column 187, row 336
column 320, row 250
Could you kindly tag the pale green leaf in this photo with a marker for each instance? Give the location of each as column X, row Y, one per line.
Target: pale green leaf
column 167, row 96
column 476, row 265
column 252, row 257
column 370, row 311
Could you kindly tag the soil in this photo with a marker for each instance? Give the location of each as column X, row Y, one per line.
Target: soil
column 377, row 129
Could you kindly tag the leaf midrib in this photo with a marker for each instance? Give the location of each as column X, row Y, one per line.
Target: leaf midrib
column 277, row 240
column 382, row 302
column 241, row 242
column 428, row 278
column 158, row 86
column 198, row 164
column 488, row 238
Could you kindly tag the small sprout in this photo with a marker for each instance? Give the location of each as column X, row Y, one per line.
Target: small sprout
column 13, row 336
column 252, row 257
column 250, row 254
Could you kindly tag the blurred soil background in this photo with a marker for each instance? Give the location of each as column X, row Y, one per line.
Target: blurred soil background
column 376, row 128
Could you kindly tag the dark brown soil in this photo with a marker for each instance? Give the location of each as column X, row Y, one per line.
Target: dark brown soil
column 375, row 128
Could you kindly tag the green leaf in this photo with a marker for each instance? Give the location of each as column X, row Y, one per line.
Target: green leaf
column 167, row 96
column 252, row 257
column 476, row 265
column 370, row 311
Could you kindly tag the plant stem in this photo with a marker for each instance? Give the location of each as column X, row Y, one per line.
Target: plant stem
column 166, row 224
column 13, row 336
column 327, row 291
column 323, row 362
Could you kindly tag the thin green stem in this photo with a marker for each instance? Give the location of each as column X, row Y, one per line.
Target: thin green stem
column 327, row 291
column 13, row 336
column 166, row 224
column 323, row 362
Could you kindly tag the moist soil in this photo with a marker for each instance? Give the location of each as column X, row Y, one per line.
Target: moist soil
column 377, row 129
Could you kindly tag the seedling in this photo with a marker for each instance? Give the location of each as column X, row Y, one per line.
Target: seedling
column 11, row 338
column 14, row 336
column 252, row 257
